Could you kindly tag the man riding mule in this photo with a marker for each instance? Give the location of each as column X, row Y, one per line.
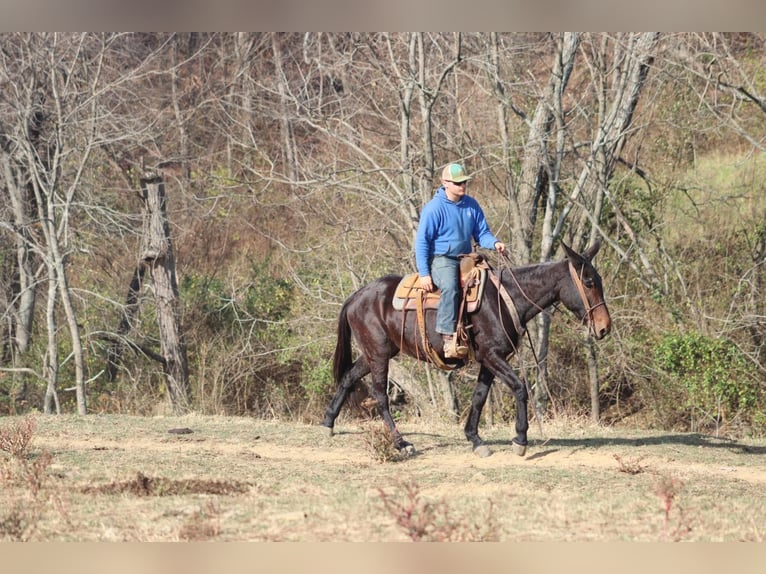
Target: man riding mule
column 510, row 299
column 447, row 224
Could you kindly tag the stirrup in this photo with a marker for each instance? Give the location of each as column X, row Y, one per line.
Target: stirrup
column 453, row 350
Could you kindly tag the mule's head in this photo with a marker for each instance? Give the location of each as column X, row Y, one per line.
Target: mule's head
column 584, row 294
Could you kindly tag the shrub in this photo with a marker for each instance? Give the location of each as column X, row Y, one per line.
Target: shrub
column 262, row 301
column 718, row 380
column 16, row 437
column 424, row 520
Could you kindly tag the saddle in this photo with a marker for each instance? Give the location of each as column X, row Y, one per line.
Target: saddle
column 473, row 275
column 410, row 296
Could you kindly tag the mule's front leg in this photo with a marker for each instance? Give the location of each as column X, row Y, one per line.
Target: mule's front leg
column 479, row 398
column 522, row 421
column 503, row 371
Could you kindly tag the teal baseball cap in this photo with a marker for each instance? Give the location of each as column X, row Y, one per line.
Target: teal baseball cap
column 454, row 172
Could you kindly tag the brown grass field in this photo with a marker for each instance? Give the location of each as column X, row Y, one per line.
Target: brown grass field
column 121, row 478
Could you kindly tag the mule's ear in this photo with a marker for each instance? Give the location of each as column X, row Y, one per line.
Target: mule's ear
column 574, row 258
column 592, row 250
column 571, row 253
column 589, row 254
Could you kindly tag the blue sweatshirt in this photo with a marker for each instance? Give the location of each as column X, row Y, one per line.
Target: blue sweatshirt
column 446, row 228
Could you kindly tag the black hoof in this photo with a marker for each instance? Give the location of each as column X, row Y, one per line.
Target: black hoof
column 327, row 429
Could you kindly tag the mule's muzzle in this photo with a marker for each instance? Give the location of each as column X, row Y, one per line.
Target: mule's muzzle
column 600, row 321
column 601, row 333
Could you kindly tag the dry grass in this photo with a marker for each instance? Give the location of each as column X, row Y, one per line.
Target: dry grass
column 630, row 465
column 29, row 476
column 204, row 524
column 425, row 520
column 119, row 478
column 378, row 441
column 16, row 436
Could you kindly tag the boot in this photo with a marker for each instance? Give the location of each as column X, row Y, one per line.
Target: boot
column 452, row 349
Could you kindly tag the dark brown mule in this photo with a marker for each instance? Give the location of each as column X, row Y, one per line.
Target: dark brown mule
column 368, row 315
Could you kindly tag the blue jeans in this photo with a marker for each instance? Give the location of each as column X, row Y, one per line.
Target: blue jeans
column 445, row 273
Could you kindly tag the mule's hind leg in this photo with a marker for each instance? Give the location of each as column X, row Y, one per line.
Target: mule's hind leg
column 358, row 370
column 379, row 393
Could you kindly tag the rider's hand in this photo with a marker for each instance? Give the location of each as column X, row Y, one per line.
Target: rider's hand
column 500, row 247
column 426, row 283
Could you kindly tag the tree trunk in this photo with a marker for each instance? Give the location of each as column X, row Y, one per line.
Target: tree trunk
column 23, row 289
column 74, row 333
column 114, row 355
column 541, row 389
column 158, row 255
column 51, row 401
column 595, row 407
column 537, row 174
column 25, row 284
column 448, row 395
column 285, row 126
column 55, row 261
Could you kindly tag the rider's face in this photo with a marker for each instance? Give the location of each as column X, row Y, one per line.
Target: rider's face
column 454, row 190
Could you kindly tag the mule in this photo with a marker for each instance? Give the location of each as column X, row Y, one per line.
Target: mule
column 381, row 332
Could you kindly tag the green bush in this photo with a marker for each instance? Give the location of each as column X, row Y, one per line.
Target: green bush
column 718, row 379
column 263, row 300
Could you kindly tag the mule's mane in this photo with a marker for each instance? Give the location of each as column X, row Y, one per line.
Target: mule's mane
column 537, row 267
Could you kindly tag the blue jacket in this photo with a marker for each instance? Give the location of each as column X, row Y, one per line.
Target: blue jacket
column 446, row 228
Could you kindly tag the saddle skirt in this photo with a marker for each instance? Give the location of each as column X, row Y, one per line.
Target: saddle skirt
column 473, row 276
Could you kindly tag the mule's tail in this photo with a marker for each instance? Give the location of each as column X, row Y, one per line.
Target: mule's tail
column 342, row 359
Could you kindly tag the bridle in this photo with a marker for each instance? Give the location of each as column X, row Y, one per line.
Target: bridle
column 589, row 309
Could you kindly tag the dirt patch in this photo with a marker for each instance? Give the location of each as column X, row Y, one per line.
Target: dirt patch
column 144, row 485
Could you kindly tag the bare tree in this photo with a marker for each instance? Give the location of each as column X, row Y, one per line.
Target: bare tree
column 51, row 142
column 159, row 256
column 22, row 291
column 554, row 176
column 619, row 81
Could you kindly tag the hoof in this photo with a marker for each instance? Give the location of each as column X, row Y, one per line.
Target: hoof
column 482, row 451
column 327, row 430
column 406, row 449
column 519, row 449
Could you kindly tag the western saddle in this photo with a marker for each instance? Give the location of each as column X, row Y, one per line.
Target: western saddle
column 409, row 296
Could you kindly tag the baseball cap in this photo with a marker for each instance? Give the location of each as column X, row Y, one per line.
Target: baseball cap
column 454, row 172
